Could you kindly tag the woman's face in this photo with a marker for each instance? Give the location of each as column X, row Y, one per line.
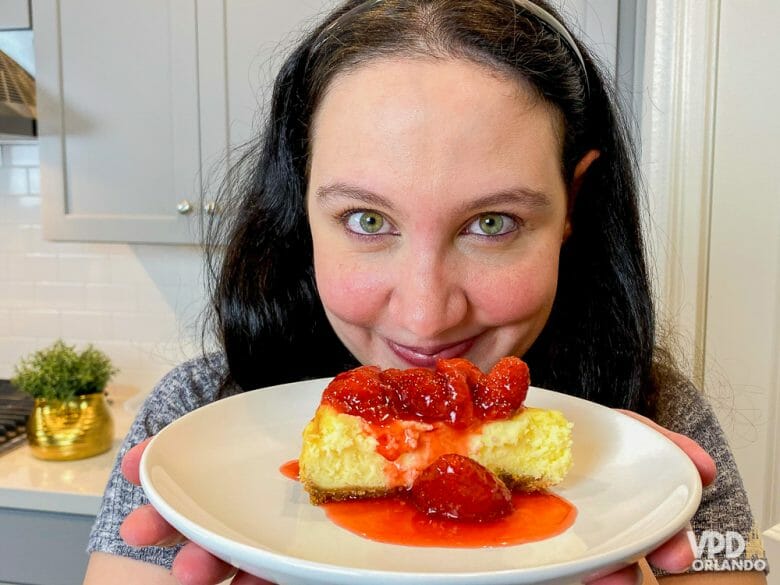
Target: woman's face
column 437, row 209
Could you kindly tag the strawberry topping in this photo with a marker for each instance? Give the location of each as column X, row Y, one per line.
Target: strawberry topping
column 429, row 396
column 501, row 392
column 361, row 392
column 456, row 393
column 460, row 406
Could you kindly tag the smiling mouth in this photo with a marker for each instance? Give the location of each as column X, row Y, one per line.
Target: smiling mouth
column 426, row 357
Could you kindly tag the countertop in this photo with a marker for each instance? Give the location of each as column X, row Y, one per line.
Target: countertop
column 66, row 487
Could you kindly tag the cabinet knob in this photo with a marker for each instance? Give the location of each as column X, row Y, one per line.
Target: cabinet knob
column 210, row 207
column 184, row 207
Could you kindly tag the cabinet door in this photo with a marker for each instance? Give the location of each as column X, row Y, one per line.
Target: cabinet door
column 242, row 44
column 14, row 14
column 118, row 119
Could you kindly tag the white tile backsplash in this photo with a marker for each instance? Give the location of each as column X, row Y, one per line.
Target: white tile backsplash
column 111, row 298
column 20, row 155
column 34, row 178
column 13, row 181
column 19, row 209
column 34, row 267
column 154, row 300
column 144, row 327
column 11, row 238
column 60, row 295
column 138, row 303
column 36, row 322
column 93, row 268
column 12, row 348
column 5, row 321
column 86, row 325
column 126, row 269
column 17, row 295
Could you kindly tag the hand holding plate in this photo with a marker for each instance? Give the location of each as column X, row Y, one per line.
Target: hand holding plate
column 675, row 555
column 145, row 527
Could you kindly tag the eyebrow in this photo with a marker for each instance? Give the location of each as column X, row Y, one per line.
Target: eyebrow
column 352, row 192
column 518, row 195
column 513, row 196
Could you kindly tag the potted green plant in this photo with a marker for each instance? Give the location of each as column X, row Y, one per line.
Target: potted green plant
column 70, row 419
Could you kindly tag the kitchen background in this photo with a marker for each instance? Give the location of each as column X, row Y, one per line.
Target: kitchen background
column 139, row 303
column 697, row 84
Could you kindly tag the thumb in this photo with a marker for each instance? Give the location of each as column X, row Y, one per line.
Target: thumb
column 131, row 462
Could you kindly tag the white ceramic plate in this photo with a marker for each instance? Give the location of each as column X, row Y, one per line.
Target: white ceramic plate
column 214, row 475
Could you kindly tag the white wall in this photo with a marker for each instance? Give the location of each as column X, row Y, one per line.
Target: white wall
column 743, row 293
column 138, row 303
column 710, row 128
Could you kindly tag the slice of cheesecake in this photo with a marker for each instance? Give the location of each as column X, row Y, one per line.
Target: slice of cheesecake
column 375, row 431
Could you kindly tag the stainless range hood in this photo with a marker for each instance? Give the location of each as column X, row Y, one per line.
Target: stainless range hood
column 17, row 99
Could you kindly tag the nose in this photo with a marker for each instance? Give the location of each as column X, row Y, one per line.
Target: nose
column 429, row 294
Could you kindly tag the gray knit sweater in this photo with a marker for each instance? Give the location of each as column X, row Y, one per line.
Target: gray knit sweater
column 682, row 408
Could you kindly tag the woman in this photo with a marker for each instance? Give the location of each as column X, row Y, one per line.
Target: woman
column 437, row 178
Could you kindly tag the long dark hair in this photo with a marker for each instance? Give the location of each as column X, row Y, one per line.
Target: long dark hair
column 598, row 342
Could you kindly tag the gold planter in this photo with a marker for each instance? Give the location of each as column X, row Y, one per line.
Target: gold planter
column 62, row 430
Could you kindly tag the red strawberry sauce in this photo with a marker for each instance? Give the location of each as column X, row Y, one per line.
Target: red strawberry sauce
column 291, row 470
column 395, row 520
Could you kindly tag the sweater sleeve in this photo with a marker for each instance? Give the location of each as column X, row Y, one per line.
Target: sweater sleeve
column 724, row 506
column 187, row 387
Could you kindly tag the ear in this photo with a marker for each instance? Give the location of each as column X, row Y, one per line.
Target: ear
column 576, row 182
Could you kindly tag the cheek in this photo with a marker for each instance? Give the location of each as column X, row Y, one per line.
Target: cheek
column 350, row 291
column 523, row 291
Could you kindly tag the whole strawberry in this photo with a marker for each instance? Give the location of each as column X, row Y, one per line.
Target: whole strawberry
column 458, row 488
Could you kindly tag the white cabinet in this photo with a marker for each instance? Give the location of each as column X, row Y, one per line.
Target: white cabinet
column 43, row 548
column 141, row 103
column 14, row 14
column 118, row 113
column 135, row 98
column 242, row 44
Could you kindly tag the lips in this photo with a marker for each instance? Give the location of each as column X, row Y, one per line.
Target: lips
column 426, row 357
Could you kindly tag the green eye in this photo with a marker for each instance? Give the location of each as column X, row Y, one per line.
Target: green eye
column 367, row 223
column 371, row 222
column 491, row 224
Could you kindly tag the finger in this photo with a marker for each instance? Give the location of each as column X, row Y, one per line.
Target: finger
column 247, row 579
column 675, row 555
column 145, row 527
column 131, row 462
column 195, row 566
column 630, row 575
column 701, row 459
